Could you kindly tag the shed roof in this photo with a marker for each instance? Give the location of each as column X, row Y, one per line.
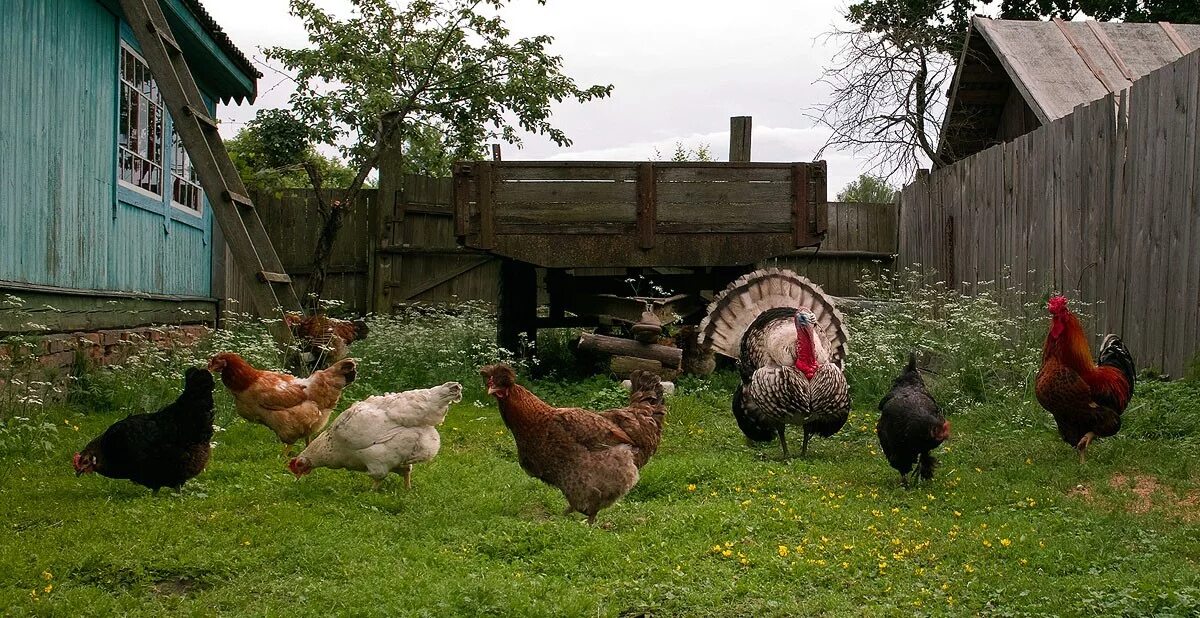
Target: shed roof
column 1054, row 65
column 214, row 30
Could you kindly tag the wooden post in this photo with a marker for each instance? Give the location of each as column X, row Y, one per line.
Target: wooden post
column 485, row 203
column 647, row 205
column 383, row 212
column 516, row 312
column 739, row 138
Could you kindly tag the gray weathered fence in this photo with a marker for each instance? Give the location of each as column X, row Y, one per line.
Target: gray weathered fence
column 1103, row 205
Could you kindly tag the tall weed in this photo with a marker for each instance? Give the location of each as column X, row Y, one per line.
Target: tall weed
column 979, row 348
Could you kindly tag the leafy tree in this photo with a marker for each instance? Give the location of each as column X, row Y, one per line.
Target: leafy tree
column 683, row 153
column 889, row 77
column 868, row 189
column 270, row 153
column 440, row 77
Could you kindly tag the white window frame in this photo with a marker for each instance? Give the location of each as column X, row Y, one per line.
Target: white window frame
column 122, row 149
column 198, row 211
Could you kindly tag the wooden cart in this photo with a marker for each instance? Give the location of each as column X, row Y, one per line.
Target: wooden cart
column 688, row 227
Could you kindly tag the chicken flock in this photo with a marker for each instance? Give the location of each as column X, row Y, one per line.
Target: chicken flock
column 786, row 335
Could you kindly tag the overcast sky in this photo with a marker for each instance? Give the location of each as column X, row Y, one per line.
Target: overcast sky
column 680, row 69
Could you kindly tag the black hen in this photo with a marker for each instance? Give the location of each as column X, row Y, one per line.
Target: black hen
column 162, row 449
column 911, row 424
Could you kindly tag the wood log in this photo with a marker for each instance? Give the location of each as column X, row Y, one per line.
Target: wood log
column 668, row 356
column 623, row 366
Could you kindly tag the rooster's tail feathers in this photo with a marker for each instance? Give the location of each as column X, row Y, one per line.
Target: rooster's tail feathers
column 1114, row 354
column 735, row 308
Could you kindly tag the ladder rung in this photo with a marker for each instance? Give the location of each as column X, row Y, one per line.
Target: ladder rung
column 268, row 277
column 167, row 39
column 238, row 198
column 201, row 117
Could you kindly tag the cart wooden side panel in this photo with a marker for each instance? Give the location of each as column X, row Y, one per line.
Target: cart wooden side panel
column 639, row 214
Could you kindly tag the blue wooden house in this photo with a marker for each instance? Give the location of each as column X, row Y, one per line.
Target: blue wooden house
column 102, row 220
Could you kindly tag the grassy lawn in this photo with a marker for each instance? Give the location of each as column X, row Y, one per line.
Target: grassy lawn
column 1012, row 525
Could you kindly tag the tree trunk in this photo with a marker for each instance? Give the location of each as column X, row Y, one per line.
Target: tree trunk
column 324, row 255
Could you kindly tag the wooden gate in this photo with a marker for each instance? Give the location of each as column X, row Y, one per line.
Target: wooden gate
column 416, row 257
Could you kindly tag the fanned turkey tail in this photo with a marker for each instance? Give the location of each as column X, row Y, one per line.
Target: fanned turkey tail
column 1114, row 354
column 736, row 308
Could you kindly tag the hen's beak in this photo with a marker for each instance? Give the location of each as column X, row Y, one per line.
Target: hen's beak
column 492, row 390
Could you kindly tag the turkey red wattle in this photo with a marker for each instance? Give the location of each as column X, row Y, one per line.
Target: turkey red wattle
column 806, row 358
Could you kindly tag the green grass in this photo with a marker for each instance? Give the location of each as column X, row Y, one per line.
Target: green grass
column 1012, row 525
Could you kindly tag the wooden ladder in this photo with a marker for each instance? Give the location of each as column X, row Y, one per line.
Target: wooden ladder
column 270, row 287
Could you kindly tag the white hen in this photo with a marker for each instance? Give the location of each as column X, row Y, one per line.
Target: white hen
column 382, row 434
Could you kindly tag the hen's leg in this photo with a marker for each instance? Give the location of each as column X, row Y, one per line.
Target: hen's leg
column 570, row 509
column 1083, row 444
column 376, row 483
column 804, row 447
column 408, row 476
column 591, row 519
column 783, row 440
column 904, row 480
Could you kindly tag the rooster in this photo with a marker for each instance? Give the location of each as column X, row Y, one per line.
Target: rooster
column 292, row 407
column 911, row 425
column 163, row 449
column 1086, row 398
column 587, row 456
column 790, row 342
column 382, row 434
column 324, row 340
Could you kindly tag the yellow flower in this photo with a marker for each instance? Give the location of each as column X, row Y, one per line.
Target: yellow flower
column 691, row 487
column 247, row 542
column 48, row 588
column 783, row 551
column 845, row 565
column 987, row 543
column 1024, row 562
column 47, row 575
column 968, row 568
column 728, row 543
column 745, row 561
column 1028, row 461
column 727, row 553
column 957, row 514
column 895, row 509
column 1005, row 542
column 716, row 548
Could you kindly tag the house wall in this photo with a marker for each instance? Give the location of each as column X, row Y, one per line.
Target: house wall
column 65, row 222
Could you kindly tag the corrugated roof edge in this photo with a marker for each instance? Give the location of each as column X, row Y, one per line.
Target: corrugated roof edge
column 222, row 40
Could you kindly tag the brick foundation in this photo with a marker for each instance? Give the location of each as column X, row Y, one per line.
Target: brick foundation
column 50, row 359
column 106, row 347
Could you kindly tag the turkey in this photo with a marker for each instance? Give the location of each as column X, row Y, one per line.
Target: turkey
column 790, row 343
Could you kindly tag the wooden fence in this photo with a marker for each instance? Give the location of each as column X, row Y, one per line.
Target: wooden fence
column 861, row 239
column 1103, row 205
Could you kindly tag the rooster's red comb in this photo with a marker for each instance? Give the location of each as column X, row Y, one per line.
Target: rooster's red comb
column 1057, row 304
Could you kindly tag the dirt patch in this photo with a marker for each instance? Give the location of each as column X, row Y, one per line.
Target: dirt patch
column 1082, row 492
column 1147, row 492
column 178, row 586
column 1144, row 488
